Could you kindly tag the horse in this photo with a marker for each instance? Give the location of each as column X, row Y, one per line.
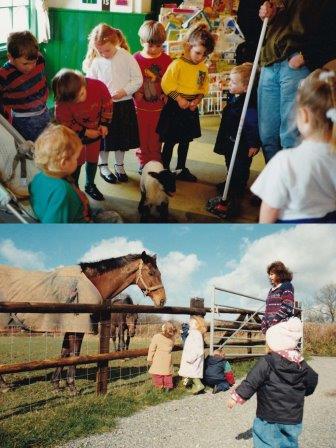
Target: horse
column 122, row 323
column 108, row 278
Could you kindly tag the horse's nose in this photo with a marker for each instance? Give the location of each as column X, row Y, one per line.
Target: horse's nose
column 162, row 302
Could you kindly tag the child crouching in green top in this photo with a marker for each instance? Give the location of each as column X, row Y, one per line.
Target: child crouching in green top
column 53, row 195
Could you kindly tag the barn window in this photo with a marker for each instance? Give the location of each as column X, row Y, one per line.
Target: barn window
column 14, row 16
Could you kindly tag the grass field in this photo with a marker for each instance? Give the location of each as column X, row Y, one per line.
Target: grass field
column 32, row 416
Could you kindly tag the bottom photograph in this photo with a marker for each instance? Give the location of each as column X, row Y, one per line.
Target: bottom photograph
column 167, row 336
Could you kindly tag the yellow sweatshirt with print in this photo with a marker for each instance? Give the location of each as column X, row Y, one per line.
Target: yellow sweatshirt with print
column 185, row 78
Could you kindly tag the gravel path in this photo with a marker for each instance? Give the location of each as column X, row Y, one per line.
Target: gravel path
column 203, row 421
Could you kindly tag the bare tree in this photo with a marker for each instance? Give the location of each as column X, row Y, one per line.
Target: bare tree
column 326, row 299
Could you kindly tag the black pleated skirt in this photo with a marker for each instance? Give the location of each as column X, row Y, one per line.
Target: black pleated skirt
column 123, row 130
column 178, row 125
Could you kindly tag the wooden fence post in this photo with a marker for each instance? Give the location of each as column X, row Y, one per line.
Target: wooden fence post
column 196, row 302
column 249, row 337
column 104, row 347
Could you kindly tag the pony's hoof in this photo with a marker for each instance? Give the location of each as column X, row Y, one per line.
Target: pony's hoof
column 73, row 391
column 56, row 388
column 5, row 389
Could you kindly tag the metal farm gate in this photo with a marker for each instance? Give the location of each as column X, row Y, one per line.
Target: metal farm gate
column 238, row 329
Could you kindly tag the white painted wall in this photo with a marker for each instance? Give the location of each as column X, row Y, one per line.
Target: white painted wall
column 140, row 6
column 75, row 4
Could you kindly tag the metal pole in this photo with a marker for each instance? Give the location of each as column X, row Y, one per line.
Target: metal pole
column 212, row 322
column 242, row 118
column 16, row 214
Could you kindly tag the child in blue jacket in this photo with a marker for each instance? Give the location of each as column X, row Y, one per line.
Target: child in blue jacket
column 217, row 372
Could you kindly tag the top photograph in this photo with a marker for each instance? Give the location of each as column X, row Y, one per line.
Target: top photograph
column 137, row 111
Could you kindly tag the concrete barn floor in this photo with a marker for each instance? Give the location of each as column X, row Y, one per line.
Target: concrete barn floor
column 188, row 204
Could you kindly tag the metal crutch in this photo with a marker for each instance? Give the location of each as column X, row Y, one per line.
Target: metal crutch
column 242, row 119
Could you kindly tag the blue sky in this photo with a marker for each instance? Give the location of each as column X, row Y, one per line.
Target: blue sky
column 191, row 257
column 66, row 244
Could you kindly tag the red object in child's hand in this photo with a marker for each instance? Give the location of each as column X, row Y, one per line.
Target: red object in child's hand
column 229, row 376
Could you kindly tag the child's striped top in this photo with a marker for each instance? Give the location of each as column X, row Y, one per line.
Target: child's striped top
column 23, row 93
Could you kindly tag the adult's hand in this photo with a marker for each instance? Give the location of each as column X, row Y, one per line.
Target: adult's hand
column 296, row 61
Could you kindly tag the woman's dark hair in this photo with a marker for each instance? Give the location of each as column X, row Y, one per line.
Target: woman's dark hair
column 282, row 272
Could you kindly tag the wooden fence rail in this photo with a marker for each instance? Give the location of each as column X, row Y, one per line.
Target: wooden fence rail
column 52, row 308
column 103, row 312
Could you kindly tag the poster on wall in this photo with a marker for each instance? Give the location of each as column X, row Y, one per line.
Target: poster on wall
column 121, row 5
column 106, row 5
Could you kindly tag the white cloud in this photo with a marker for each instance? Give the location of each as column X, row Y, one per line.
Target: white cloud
column 231, row 264
column 21, row 258
column 308, row 250
column 113, row 247
column 177, row 270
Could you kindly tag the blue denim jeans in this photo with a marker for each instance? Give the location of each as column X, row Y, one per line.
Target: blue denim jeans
column 275, row 435
column 31, row 127
column 277, row 89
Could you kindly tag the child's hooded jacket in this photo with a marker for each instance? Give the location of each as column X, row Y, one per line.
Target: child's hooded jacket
column 281, row 386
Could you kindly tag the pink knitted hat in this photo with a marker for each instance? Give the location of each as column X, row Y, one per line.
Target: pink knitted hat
column 284, row 335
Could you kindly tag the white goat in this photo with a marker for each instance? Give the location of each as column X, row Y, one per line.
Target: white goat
column 156, row 185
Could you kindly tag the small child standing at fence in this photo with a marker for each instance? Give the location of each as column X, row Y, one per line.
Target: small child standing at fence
column 192, row 360
column 23, row 86
column 149, row 99
column 160, row 357
column 280, row 298
column 108, row 59
column 217, row 372
column 185, row 82
column 249, row 143
column 85, row 106
column 281, row 380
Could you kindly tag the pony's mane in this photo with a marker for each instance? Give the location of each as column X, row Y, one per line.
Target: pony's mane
column 102, row 266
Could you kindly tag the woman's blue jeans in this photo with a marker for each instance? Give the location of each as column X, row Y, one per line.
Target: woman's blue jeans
column 275, row 435
column 277, row 89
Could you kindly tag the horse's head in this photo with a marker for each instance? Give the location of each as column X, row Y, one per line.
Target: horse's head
column 131, row 322
column 148, row 279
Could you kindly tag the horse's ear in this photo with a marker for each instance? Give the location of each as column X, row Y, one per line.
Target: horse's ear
column 144, row 256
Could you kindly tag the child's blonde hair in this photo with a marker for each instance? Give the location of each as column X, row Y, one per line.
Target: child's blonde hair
column 318, row 93
column 66, row 84
column 244, row 71
column 200, row 324
column 55, row 144
column 201, row 35
column 169, row 330
column 219, row 352
column 101, row 34
column 152, row 32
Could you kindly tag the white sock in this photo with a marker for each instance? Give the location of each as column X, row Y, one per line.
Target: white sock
column 119, row 158
column 102, row 160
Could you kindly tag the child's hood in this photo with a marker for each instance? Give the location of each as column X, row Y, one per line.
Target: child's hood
column 290, row 372
column 213, row 360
